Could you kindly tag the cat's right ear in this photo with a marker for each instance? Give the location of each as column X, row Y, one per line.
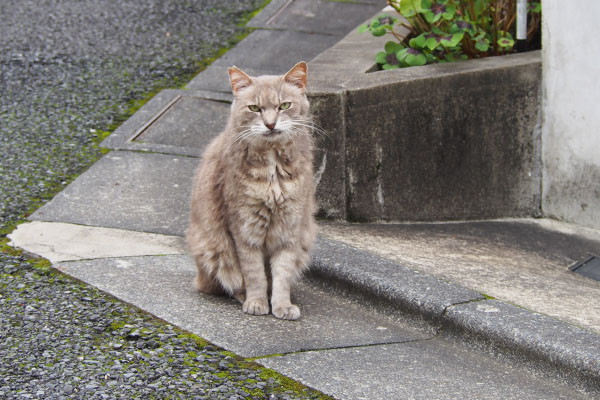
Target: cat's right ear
column 239, row 80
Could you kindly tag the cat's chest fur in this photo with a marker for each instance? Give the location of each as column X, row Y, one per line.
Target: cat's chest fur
column 272, row 182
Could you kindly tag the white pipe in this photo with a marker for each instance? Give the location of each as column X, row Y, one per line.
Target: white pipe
column 521, row 19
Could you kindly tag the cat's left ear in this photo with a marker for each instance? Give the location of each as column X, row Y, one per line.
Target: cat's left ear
column 297, row 76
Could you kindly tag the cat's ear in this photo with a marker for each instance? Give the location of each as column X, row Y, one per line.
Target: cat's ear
column 239, row 80
column 297, row 76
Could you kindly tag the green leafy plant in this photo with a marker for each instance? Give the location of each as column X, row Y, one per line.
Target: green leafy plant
column 436, row 31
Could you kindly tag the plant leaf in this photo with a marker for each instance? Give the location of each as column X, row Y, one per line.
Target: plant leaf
column 401, row 55
column 535, row 7
column 418, row 42
column 416, row 59
column 386, row 20
column 381, row 57
column 409, row 8
column 506, row 42
column 392, row 47
column 449, row 14
column 431, row 17
column 452, row 40
column 482, row 45
column 379, row 31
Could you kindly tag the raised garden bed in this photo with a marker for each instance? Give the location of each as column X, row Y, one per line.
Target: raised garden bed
column 437, row 142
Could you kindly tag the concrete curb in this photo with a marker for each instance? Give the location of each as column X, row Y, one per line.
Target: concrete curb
column 530, row 337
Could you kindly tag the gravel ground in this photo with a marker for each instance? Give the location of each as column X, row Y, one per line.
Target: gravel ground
column 62, row 340
column 70, row 71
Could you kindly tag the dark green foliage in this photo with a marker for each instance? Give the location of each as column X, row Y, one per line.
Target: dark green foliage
column 449, row 30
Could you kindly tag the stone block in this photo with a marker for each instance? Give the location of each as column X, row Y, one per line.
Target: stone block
column 329, row 155
column 178, row 122
column 315, row 16
column 423, row 370
column 128, row 190
column 453, row 146
column 163, row 286
column 572, row 351
column 263, row 52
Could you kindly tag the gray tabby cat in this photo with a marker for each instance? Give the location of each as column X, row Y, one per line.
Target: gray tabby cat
column 252, row 224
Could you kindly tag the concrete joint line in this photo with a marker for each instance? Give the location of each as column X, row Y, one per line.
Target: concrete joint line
column 147, row 151
column 364, row 346
column 444, row 313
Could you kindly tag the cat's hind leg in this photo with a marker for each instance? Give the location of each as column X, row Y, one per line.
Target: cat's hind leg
column 204, row 282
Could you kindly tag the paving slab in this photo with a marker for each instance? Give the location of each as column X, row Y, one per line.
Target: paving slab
column 189, row 122
column 316, row 16
column 432, row 369
column 174, row 122
column 57, row 241
column 135, row 191
column 263, row 52
column 517, row 261
column 163, row 287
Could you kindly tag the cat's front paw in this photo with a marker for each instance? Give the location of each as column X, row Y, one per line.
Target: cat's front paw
column 290, row 312
column 256, row 307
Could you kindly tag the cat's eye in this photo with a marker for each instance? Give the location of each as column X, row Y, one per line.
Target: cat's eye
column 254, row 108
column 285, row 106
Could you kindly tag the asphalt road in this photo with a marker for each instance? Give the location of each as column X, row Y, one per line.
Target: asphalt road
column 70, row 71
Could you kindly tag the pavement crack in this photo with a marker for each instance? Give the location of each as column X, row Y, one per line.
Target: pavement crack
column 363, row 346
column 444, row 313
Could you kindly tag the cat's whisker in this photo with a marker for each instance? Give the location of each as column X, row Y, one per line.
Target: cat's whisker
column 242, row 128
column 240, row 135
column 243, row 137
column 239, row 138
column 311, row 125
column 300, row 131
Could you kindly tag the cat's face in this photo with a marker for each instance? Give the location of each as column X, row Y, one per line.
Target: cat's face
column 269, row 107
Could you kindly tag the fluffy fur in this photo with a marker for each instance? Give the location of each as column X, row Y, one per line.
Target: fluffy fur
column 252, row 226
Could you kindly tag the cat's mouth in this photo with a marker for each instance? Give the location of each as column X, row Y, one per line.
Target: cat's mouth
column 272, row 133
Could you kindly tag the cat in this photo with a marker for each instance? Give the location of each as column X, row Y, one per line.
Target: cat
column 252, row 217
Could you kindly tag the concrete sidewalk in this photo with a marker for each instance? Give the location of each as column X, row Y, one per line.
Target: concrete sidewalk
column 457, row 310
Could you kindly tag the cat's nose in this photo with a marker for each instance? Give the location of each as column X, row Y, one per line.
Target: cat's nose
column 270, row 126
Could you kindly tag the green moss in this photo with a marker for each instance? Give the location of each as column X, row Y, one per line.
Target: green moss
column 201, row 343
column 229, row 354
column 286, row 384
column 41, row 265
column 7, row 249
column 252, row 359
column 116, row 325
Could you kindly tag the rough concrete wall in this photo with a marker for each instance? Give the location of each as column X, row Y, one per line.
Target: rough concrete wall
column 571, row 111
column 445, row 142
column 329, row 165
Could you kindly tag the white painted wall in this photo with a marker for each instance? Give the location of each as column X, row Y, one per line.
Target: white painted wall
column 571, row 111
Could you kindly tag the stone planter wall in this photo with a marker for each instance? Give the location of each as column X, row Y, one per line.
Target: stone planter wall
column 438, row 142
